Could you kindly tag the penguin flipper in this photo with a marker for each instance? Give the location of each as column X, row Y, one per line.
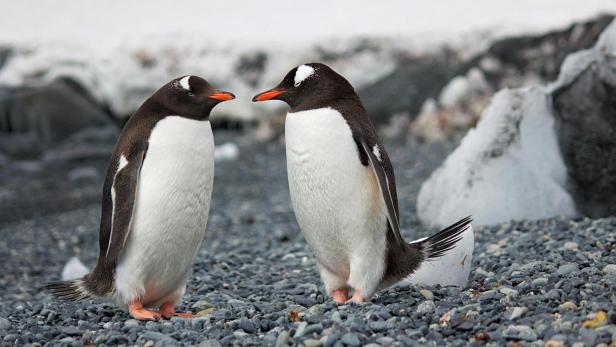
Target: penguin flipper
column 386, row 188
column 123, row 188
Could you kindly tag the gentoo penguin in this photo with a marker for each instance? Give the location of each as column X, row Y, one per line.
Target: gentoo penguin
column 343, row 189
column 155, row 205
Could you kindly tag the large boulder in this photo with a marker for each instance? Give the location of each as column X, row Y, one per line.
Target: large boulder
column 584, row 100
column 46, row 115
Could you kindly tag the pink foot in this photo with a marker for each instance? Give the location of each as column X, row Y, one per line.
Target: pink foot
column 136, row 310
column 340, row 295
column 167, row 310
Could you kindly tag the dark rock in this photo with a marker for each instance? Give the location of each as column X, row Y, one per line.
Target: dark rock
column 51, row 113
column 585, row 111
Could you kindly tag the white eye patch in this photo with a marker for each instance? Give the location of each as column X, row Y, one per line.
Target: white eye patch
column 303, row 72
column 185, row 83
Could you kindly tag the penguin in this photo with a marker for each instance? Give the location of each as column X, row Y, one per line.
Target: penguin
column 155, row 203
column 343, row 189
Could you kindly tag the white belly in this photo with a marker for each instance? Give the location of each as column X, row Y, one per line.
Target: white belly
column 335, row 198
column 171, row 211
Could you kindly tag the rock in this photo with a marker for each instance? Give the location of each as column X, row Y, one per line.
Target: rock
column 426, row 294
column 5, row 324
column 515, row 312
column 407, row 86
column 52, row 112
column 209, row 343
column 570, row 246
column 539, row 282
column 350, row 339
column 497, row 159
column 609, row 269
column 247, row 325
column 568, row 305
column 426, row 307
column 283, row 339
column 520, row 332
column 567, row 269
column 584, row 99
column 509, row 292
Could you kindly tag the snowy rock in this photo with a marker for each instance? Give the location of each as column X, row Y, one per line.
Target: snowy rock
column 227, row 151
column 452, row 269
column 508, row 167
column 73, row 269
column 584, row 98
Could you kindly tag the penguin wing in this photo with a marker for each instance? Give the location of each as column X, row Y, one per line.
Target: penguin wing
column 387, row 189
column 123, row 194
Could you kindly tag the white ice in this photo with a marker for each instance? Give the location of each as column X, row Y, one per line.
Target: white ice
column 73, row 269
column 508, row 168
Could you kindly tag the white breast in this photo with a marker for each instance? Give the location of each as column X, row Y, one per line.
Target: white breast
column 171, row 210
column 335, row 198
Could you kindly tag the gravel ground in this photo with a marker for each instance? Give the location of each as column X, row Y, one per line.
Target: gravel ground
column 255, row 281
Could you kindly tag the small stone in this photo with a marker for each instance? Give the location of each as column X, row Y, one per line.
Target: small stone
column 150, row 343
column 300, row 329
column 600, row 318
column 377, row 325
column 4, row 324
column 131, row 323
column 610, row 269
column 570, row 246
column 312, row 343
column 248, row 326
column 283, row 339
column 313, row 328
column 336, row 317
column 210, row 343
column 539, row 282
column 426, row 294
column 515, row 312
column 567, row 269
column 554, row 343
column 520, row 332
column 568, row 305
column 426, row 307
column 350, row 339
column 509, row 292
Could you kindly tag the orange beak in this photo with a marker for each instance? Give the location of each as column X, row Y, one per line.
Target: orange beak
column 222, row 96
column 268, row 95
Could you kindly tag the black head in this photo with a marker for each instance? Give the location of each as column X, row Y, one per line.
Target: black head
column 309, row 84
column 187, row 96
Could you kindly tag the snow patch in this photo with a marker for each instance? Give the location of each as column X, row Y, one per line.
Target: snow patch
column 452, row 269
column 303, row 72
column 227, row 151
column 74, row 269
column 508, row 167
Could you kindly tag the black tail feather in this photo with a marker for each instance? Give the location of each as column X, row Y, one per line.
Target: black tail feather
column 445, row 240
column 74, row 290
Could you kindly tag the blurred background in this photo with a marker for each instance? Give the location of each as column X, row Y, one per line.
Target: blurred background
column 72, row 72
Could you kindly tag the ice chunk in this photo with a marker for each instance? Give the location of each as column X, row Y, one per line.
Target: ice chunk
column 73, row 269
column 508, row 167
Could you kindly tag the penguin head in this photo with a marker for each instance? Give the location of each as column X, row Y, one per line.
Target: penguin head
column 309, row 84
column 189, row 96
